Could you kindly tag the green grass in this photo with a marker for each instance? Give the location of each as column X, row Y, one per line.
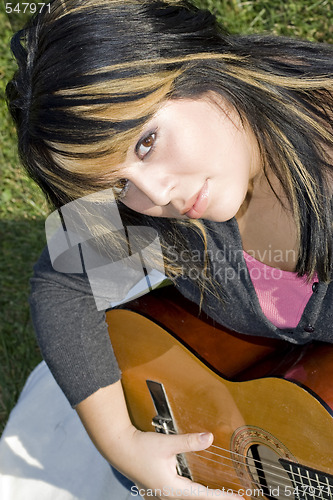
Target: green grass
column 309, row 19
column 22, row 215
column 23, row 210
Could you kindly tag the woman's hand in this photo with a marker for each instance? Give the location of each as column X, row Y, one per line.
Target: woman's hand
column 153, row 466
column 147, row 458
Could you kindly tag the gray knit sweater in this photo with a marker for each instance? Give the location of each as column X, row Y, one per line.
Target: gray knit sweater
column 73, row 334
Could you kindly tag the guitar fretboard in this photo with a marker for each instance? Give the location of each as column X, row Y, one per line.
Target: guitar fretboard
column 308, row 483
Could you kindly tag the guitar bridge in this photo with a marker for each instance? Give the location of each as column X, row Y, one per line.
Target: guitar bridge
column 163, row 422
column 163, row 425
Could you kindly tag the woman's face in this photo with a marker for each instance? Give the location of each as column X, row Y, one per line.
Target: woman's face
column 193, row 159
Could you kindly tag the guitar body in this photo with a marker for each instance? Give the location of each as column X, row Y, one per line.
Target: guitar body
column 268, row 404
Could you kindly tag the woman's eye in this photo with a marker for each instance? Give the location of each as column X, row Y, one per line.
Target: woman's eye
column 120, row 188
column 145, row 145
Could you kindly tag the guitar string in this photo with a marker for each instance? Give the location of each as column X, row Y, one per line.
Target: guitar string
column 230, row 467
column 272, row 485
column 277, row 485
column 237, row 462
column 282, row 483
column 267, row 463
column 322, row 494
column 239, row 487
column 214, row 484
column 256, row 462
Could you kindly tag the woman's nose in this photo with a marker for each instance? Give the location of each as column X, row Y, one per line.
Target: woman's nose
column 156, row 186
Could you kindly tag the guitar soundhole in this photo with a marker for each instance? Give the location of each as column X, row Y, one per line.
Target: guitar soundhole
column 267, row 474
column 257, row 458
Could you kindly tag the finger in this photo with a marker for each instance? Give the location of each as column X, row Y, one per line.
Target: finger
column 182, row 443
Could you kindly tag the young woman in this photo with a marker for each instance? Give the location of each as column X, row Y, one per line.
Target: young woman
column 223, row 143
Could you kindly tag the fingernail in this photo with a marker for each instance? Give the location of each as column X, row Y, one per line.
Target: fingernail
column 205, row 437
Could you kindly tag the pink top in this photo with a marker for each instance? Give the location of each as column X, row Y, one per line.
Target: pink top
column 282, row 294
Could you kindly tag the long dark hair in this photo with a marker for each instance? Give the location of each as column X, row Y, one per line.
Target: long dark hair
column 92, row 72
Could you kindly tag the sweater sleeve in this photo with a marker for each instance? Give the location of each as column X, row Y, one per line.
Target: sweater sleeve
column 71, row 332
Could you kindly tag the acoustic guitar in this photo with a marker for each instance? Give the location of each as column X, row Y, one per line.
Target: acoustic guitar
column 268, row 403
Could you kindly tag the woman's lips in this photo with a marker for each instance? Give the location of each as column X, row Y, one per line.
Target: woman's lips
column 200, row 204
